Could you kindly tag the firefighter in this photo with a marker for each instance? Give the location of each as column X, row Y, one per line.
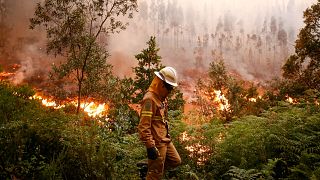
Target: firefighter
column 153, row 126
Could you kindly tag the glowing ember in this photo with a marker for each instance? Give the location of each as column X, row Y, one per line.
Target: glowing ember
column 197, row 148
column 291, row 100
column 220, row 138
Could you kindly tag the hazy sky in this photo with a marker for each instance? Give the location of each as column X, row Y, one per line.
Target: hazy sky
column 249, row 13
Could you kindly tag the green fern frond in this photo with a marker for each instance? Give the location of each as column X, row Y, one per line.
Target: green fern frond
column 242, row 174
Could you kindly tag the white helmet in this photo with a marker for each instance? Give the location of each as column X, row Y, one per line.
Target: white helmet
column 169, row 75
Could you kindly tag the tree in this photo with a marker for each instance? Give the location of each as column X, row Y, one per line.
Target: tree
column 148, row 62
column 4, row 29
column 75, row 30
column 230, row 97
column 303, row 67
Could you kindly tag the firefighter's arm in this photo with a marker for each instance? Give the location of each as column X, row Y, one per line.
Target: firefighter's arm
column 144, row 127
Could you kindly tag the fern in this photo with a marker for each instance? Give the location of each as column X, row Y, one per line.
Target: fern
column 242, row 174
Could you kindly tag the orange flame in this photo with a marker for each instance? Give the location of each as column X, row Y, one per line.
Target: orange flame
column 47, row 102
column 4, row 75
column 222, row 100
column 92, row 109
column 291, row 100
column 252, row 99
column 196, row 149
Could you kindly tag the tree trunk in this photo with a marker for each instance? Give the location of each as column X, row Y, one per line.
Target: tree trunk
column 79, row 97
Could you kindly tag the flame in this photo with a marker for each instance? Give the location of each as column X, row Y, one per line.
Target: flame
column 185, row 136
column 9, row 71
column 93, row 109
column 4, row 75
column 252, row 99
column 197, row 149
column 291, row 100
column 222, row 100
column 217, row 99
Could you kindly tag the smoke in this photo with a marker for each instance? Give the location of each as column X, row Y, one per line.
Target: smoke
column 26, row 70
column 22, row 45
column 253, row 37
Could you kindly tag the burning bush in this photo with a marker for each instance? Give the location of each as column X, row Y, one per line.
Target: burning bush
column 221, row 95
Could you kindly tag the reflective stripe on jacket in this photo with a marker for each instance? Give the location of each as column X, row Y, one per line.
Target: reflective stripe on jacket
column 152, row 127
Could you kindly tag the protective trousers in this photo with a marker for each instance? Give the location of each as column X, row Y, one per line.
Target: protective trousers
column 168, row 158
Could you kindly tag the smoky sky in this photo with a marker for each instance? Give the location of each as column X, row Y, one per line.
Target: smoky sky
column 253, row 37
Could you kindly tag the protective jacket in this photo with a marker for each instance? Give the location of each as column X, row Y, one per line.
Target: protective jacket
column 153, row 126
column 153, row 130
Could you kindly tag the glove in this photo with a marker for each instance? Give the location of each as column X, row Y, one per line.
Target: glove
column 153, row 153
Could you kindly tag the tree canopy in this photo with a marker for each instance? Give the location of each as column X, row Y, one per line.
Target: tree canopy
column 304, row 65
column 77, row 30
column 148, row 62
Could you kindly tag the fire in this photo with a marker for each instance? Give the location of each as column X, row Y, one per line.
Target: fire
column 291, row 100
column 185, row 136
column 47, row 102
column 9, row 71
column 252, row 99
column 93, row 109
column 222, row 100
column 196, row 150
column 5, row 75
column 216, row 98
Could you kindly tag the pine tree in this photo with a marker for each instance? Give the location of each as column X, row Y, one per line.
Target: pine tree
column 148, row 62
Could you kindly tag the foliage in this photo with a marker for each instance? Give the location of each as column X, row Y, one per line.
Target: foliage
column 123, row 120
column 148, row 62
column 231, row 97
column 188, row 168
column 283, row 89
column 43, row 143
column 237, row 173
column 304, row 66
column 282, row 143
column 175, row 100
column 74, row 29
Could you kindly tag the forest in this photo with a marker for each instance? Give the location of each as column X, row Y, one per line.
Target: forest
column 79, row 121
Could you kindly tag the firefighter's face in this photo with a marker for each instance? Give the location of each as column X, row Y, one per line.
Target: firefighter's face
column 168, row 87
column 160, row 87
